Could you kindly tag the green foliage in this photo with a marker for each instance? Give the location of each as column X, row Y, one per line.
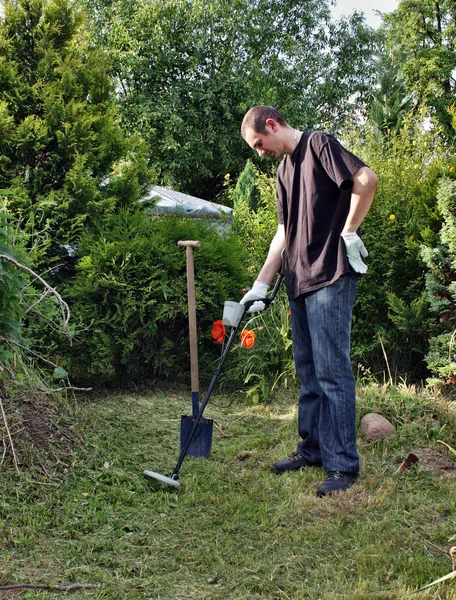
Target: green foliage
column 412, row 322
column 12, row 283
column 129, row 296
column 390, row 101
column 25, row 299
column 441, row 285
column 439, row 282
column 59, row 128
column 423, row 32
column 188, row 71
column 256, row 227
column 246, row 192
column 268, row 365
column 408, row 318
column 441, row 358
column 403, row 215
column 446, row 198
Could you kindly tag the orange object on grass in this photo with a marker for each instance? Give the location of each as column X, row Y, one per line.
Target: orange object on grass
column 247, row 338
column 218, row 331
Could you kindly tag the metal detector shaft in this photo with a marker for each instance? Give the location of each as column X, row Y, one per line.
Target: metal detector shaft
column 197, row 419
column 247, row 305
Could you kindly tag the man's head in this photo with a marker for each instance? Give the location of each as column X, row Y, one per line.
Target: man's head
column 266, row 131
column 256, row 118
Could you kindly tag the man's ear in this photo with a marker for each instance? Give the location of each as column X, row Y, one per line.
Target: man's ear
column 273, row 125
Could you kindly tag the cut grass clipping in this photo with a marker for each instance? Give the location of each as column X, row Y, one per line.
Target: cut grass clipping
column 233, row 529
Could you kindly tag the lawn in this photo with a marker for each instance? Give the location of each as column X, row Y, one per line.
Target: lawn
column 233, row 530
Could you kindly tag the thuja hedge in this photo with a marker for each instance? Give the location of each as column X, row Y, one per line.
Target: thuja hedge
column 129, row 298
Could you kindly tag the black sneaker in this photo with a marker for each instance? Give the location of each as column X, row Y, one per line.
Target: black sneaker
column 295, row 462
column 337, row 481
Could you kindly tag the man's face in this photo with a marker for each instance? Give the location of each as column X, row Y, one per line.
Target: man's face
column 269, row 144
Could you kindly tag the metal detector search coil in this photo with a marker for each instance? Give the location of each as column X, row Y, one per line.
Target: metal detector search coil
column 162, row 478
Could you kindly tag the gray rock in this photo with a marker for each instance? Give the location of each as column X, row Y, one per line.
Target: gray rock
column 376, row 427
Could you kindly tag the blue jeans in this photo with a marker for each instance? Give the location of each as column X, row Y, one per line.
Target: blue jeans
column 321, row 326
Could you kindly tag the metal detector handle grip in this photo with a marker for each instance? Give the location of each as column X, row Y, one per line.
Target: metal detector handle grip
column 267, row 301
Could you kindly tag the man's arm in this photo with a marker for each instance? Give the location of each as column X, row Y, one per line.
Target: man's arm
column 270, row 268
column 273, row 261
column 363, row 190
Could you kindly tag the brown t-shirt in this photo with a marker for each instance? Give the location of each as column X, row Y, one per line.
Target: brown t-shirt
column 313, row 200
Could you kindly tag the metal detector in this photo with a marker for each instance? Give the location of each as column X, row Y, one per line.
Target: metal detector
column 232, row 318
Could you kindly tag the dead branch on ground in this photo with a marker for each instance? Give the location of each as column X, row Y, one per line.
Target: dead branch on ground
column 44, row 586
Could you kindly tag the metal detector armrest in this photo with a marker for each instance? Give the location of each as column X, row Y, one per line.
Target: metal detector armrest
column 233, row 313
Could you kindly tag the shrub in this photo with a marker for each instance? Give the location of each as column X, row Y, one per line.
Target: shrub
column 129, row 296
column 27, row 303
column 441, row 286
column 441, row 358
column 255, row 214
column 12, row 283
column 389, row 317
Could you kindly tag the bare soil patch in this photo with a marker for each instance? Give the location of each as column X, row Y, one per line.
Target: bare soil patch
column 38, row 430
column 438, row 460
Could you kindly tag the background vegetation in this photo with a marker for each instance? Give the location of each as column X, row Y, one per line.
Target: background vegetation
column 100, row 99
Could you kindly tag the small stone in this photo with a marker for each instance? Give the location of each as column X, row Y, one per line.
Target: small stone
column 376, row 427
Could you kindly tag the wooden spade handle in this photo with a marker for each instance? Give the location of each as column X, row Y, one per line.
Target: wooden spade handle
column 189, row 245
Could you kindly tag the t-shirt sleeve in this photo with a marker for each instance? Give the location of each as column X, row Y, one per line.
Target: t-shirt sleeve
column 340, row 164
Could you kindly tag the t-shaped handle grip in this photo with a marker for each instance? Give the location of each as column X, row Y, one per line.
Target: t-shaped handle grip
column 189, row 244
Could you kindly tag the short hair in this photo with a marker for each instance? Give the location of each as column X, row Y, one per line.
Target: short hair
column 256, row 118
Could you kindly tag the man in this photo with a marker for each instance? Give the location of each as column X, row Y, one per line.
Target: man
column 323, row 193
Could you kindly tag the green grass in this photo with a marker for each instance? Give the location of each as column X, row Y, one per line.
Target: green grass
column 233, row 529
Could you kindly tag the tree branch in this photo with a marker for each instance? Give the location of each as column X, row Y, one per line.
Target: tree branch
column 63, row 305
column 9, row 436
column 2, row 339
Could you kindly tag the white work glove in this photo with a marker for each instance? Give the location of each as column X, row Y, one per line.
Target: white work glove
column 259, row 290
column 355, row 249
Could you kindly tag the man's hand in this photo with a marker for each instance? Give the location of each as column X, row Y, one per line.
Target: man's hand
column 355, row 249
column 258, row 292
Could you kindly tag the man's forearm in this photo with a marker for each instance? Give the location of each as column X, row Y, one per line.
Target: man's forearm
column 273, row 261
column 364, row 184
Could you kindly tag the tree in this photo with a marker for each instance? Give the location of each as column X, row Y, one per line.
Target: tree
column 390, row 100
column 188, row 71
column 59, row 128
column 424, row 32
column 246, row 190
